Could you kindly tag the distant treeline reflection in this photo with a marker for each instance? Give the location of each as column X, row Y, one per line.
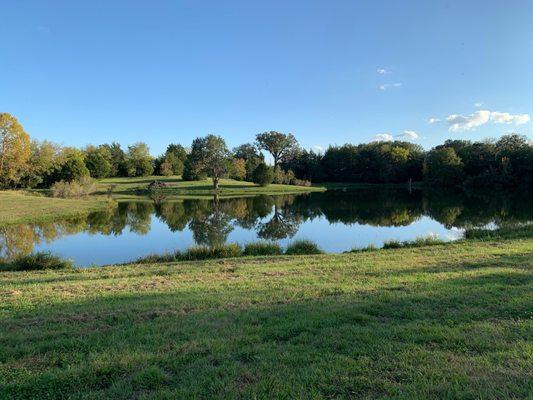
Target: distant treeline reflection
column 279, row 217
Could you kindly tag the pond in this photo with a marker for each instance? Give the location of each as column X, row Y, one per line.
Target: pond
column 336, row 220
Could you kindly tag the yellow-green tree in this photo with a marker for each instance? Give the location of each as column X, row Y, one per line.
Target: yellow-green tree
column 14, row 151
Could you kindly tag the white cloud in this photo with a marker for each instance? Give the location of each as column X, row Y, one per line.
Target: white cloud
column 506, row 118
column 387, row 86
column 469, row 122
column 318, row 148
column 432, row 120
column 412, row 135
column 383, row 137
column 478, row 104
column 384, row 71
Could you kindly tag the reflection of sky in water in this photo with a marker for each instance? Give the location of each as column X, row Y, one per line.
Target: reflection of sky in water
column 86, row 249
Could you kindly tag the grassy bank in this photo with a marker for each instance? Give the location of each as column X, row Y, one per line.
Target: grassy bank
column 178, row 187
column 17, row 207
column 445, row 321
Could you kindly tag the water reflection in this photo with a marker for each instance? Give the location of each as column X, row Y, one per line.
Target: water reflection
column 211, row 222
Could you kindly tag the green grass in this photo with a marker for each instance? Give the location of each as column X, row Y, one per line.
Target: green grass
column 446, row 321
column 193, row 189
column 18, row 207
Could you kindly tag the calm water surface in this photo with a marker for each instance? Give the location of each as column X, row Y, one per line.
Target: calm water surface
column 336, row 220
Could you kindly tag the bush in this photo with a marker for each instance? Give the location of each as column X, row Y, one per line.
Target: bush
column 262, row 249
column 38, row 261
column 370, row 247
column 418, row 242
column 263, row 175
column 303, row 247
column 77, row 188
column 206, row 252
column 158, row 258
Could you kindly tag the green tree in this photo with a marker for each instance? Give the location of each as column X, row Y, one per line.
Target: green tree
column 279, row 145
column 15, row 151
column 209, row 156
column 73, row 167
column 263, row 175
column 139, row 162
column 46, row 158
column 443, row 167
column 251, row 156
column 98, row 161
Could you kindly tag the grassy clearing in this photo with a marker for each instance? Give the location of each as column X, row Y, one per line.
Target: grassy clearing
column 18, row 207
column 447, row 321
column 192, row 189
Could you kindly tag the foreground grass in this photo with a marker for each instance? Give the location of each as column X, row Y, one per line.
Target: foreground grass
column 17, row 207
column 191, row 189
column 445, row 321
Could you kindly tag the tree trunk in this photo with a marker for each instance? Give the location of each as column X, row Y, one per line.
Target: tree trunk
column 215, row 183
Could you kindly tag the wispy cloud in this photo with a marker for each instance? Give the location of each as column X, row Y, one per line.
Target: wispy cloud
column 384, row 71
column 433, row 120
column 387, row 137
column 478, row 104
column 387, row 86
column 470, row 122
column 382, row 137
column 318, row 148
column 506, row 118
column 411, row 135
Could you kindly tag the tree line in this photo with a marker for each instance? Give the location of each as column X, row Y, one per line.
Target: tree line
column 507, row 162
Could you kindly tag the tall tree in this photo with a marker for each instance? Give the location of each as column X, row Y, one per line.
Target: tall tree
column 15, row 151
column 139, row 162
column 251, row 156
column 210, row 156
column 277, row 144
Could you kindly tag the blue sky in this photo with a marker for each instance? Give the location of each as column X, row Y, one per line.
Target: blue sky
column 328, row 71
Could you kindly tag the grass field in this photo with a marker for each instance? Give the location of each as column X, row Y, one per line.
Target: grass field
column 203, row 188
column 17, row 207
column 445, row 321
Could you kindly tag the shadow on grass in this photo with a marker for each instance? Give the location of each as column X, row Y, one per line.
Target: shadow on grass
column 459, row 337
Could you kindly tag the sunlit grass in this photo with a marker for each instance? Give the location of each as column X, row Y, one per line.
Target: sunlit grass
column 178, row 187
column 448, row 321
column 18, row 207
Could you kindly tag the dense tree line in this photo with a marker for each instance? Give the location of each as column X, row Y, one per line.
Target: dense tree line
column 506, row 162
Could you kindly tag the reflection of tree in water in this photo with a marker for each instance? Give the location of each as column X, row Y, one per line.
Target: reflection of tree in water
column 174, row 214
column 283, row 224
column 211, row 221
column 139, row 216
column 211, row 226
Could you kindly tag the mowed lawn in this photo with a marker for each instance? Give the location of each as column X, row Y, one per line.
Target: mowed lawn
column 446, row 321
column 16, row 207
column 179, row 187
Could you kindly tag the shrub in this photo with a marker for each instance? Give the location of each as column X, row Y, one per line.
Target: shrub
column 303, row 247
column 392, row 244
column 206, row 252
column 38, row 261
column 263, row 175
column 158, row 258
column 78, row 188
column 430, row 240
column 370, row 247
column 262, row 249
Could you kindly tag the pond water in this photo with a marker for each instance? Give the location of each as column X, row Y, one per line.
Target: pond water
column 336, row 220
